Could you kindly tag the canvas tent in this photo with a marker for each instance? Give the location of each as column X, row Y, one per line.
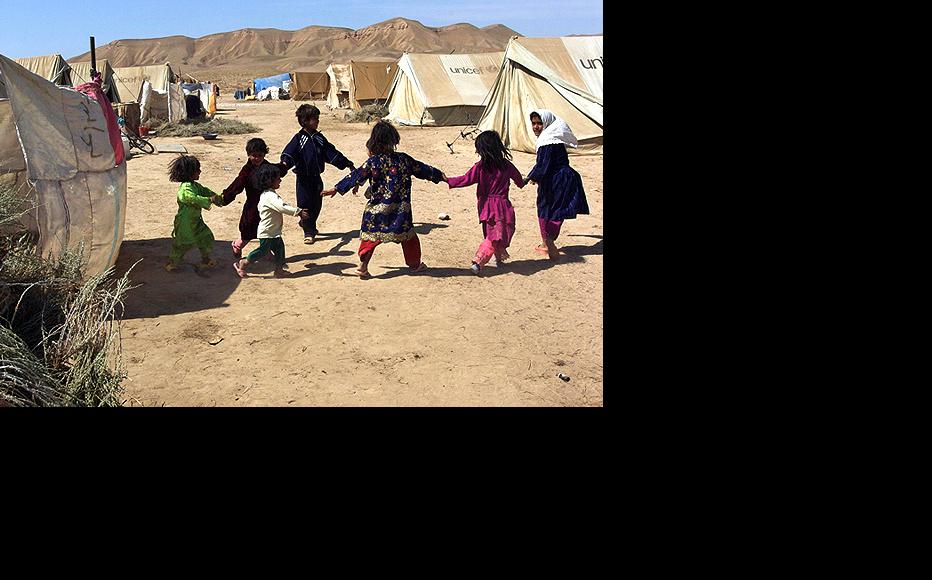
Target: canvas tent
column 78, row 191
column 442, row 89
column 81, row 73
column 52, row 67
column 359, row 83
column 309, row 85
column 153, row 87
column 563, row 75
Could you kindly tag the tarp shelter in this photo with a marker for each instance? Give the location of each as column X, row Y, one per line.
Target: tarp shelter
column 359, row 83
column 563, row 75
column 81, row 73
column 442, row 89
column 78, row 192
column 273, row 81
column 309, row 85
column 153, row 88
column 204, row 92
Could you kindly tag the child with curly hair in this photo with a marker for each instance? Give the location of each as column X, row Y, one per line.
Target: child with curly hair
column 190, row 230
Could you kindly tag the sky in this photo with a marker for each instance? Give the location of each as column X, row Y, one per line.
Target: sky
column 41, row 27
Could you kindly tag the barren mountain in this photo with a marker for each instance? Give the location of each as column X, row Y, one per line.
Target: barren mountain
column 250, row 52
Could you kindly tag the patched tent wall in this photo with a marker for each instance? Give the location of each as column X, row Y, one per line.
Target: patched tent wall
column 563, row 75
column 338, row 94
column 78, row 191
column 164, row 98
column 442, row 89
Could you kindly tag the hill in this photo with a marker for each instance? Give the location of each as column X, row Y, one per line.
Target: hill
column 234, row 57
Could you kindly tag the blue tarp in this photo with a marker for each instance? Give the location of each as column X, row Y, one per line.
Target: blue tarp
column 267, row 82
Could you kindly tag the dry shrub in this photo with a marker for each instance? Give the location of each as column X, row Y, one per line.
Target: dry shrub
column 59, row 331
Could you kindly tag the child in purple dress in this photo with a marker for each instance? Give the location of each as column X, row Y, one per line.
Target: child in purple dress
column 560, row 194
column 492, row 172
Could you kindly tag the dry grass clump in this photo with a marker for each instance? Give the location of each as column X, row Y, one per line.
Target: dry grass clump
column 197, row 127
column 367, row 114
column 59, row 332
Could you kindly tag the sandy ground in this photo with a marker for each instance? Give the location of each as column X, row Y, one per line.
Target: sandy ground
column 443, row 337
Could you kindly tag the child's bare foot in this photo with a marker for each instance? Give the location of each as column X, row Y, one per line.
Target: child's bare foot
column 542, row 249
column 362, row 273
column 282, row 273
column 238, row 252
column 552, row 250
column 240, row 267
column 309, row 240
column 421, row 267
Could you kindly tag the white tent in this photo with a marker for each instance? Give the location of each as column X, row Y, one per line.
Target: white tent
column 154, row 88
column 442, row 89
column 57, row 139
column 563, row 75
column 52, row 67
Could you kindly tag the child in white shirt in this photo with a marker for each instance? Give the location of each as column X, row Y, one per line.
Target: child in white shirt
column 267, row 179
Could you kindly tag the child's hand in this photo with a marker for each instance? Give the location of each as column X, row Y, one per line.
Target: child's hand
column 355, row 189
column 217, row 200
column 304, row 214
column 443, row 177
column 330, row 192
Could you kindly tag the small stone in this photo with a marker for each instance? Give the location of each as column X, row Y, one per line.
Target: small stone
column 443, row 216
column 563, row 377
column 215, row 341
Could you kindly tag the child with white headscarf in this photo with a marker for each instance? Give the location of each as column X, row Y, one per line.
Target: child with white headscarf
column 560, row 193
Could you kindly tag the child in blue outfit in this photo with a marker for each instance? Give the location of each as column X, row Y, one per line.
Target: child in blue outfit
column 306, row 153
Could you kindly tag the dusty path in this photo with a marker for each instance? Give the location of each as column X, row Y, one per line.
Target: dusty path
column 326, row 338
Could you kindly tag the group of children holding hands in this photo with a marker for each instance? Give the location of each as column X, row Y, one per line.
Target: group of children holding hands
column 387, row 216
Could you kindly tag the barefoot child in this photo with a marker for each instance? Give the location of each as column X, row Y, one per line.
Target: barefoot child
column 560, row 194
column 271, row 207
column 256, row 150
column 190, row 229
column 388, row 216
column 492, row 172
column 307, row 152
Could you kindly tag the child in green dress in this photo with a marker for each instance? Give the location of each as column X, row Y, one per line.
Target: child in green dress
column 190, row 230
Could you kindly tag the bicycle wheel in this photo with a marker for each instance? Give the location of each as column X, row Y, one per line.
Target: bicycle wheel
column 144, row 145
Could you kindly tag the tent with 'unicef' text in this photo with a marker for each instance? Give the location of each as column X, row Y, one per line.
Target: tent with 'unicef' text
column 54, row 145
column 442, row 89
column 563, row 75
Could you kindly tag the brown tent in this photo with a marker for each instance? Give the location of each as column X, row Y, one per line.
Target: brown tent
column 309, row 85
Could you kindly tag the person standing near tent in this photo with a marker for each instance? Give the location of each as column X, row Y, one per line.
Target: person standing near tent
column 560, row 194
column 492, row 172
column 306, row 153
column 190, row 230
column 388, row 216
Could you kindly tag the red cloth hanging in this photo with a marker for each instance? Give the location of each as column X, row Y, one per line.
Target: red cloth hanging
column 93, row 90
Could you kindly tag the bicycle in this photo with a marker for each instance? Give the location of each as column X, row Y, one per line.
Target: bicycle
column 135, row 141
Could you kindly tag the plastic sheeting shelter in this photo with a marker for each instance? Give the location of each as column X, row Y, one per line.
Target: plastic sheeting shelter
column 359, row 83
column 442, row 89
column 63, row 150
column 273, row 81
column 309, row 85
column 563, row 75
column 81, row 73
column 204, row 92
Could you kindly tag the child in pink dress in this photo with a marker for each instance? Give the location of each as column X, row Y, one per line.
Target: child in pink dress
column 496, row 214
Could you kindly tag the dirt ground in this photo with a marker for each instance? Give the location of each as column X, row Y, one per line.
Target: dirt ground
column 443, row 337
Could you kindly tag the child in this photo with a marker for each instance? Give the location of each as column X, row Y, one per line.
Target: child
column 387, row 217
column 267, row 179
column 307, row 152
column 560, row 194
column 496, row 214
column 190, row 229
column 256, row 150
